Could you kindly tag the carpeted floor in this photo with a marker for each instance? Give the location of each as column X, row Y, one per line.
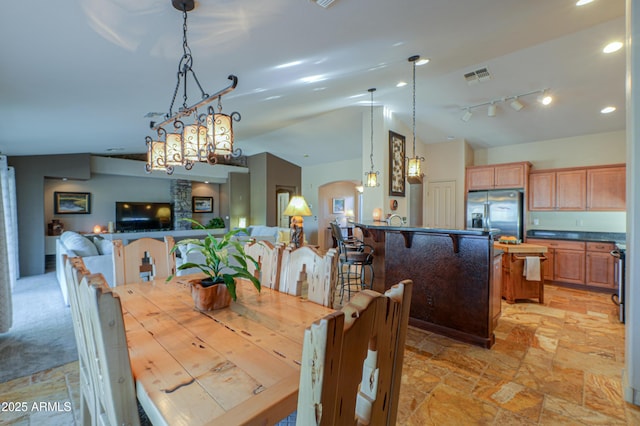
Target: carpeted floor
column 42, row 333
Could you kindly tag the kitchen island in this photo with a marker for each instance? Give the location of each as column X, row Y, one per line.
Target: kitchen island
column 517, row 282
column 456, row 292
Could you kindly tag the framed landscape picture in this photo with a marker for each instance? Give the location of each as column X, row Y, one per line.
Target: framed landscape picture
column 396, row 164
column 202, row 204
column 72, row 202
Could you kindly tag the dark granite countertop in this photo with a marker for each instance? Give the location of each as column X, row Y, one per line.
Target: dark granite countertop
column 383, row 226
column 610, row 237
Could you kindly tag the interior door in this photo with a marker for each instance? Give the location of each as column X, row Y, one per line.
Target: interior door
column 441, row 202
column 283, row 202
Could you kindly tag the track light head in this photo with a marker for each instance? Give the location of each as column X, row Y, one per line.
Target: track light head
column 466, row 116
column 545, row 99
column 516, row 104
column 491, row 110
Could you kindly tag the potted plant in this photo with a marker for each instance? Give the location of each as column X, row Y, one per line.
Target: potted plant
column 218, row 266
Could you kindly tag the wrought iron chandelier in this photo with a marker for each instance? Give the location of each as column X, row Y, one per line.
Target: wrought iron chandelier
column 209, row 138
column 371, row 177
column 414, row 172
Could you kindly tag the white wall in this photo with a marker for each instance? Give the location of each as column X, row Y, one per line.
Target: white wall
column 315, row 176
column 577, row 151
column 106, row 190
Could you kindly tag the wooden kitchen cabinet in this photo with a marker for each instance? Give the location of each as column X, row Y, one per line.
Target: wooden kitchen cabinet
column 542, row 191
column 599, row 265
column 599, row 188
column 571, row 190
column 498, row 176
column 606, row 189
column 479, row 178
column 495, row 303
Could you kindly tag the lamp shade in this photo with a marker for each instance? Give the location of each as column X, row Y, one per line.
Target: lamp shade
column 297, row 207
column 195, row 142
column 220, row 133
column 414, row 169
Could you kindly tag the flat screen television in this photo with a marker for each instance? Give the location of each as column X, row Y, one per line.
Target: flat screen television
column 140, row 216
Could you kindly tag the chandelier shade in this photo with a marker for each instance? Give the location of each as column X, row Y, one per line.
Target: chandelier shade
column 371, row 179
column 207, row 138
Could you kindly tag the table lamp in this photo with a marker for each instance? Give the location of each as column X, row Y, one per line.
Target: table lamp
column 297, row 208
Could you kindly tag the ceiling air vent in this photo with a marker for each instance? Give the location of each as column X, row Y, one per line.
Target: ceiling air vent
column 323, row 3
column 476, row 76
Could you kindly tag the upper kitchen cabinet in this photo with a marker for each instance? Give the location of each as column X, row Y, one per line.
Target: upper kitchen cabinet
column 593, row 188
column 571, row 190
column 606, row 189
column 498, row 176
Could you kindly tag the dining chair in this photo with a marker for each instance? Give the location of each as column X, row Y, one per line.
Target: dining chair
column 305, row 271
column 144, row 259
column 269, row 257
column 114, row 395
column 74, row 270
column 356, row 263
column 367, row 335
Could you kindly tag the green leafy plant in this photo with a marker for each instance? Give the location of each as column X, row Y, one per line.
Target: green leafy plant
column 215, row 223
column 218, row 253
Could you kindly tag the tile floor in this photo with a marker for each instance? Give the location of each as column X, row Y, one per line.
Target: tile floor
column 553, row 364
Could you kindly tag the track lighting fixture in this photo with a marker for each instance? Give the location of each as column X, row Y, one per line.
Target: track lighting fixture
column 514, row 102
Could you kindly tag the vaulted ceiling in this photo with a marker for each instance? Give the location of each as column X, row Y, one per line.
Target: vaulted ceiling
column 80, row 76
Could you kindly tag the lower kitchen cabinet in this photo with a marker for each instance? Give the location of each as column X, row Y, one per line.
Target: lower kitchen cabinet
column 578, row 262
column 569, row 265
column 600, row 263
column 495, row 302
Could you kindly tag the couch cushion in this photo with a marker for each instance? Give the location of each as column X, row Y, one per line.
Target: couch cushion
column 103, row 246
column 264, row 231
column 80, row 245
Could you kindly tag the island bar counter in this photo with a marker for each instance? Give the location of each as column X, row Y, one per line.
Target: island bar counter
column 454, row 292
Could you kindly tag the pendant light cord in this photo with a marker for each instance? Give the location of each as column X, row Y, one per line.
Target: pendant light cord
column 185, row 67
column 371, row 155
column 414, row 108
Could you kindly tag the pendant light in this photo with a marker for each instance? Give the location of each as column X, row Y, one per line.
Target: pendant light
column 209, row 137
column 414, row 172
column 371, row 177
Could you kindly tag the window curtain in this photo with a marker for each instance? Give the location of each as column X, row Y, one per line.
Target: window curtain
column 8, row 242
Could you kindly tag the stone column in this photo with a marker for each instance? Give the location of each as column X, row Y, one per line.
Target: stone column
column 181, row 199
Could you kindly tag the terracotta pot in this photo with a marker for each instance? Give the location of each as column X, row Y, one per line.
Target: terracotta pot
column 209, row 298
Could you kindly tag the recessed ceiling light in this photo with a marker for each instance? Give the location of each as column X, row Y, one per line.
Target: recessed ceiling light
column 313, row 78
column 612, row 47
column 583, row 2
column 401, row 84
column 422, row 61
column 288, row 64
column 607, row 110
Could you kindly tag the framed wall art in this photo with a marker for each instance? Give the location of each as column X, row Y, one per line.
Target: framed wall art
column 338, row 206
column 396, row 164
column 202, row 204
column 72, row 202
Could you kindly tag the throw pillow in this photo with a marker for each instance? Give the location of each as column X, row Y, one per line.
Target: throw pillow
column 284, row 236
column 78, row 244
column 103, row 246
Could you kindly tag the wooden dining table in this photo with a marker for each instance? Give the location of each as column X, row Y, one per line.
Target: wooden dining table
column 237, row 365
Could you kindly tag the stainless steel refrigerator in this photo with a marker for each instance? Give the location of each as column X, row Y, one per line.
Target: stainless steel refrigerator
column 501, row 209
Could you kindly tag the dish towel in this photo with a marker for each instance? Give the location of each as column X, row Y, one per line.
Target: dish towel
column 531, row 268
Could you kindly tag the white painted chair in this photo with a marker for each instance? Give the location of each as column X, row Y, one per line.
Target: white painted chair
column 305, row 270
column 107, row 390
column 144, row 259
column 367, row 335
column 269, row 257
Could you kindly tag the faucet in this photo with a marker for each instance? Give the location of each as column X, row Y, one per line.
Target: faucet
column 393, row 216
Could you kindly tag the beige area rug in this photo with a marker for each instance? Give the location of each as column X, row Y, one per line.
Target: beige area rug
column 42, row 334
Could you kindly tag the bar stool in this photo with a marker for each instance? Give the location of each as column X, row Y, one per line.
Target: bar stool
column 355, row 258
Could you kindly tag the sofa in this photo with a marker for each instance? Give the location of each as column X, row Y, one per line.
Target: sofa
column 96, row 253
column 273, row 234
